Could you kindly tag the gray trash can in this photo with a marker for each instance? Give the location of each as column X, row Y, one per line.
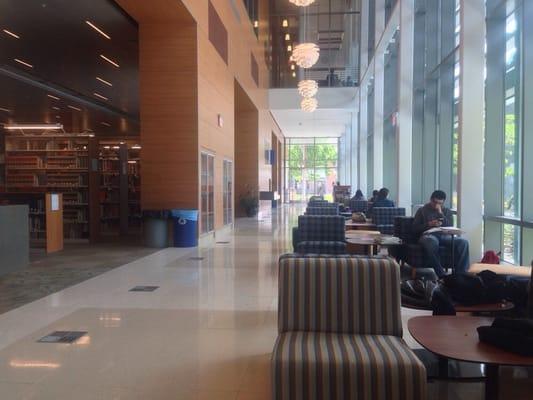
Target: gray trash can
column 155, row 228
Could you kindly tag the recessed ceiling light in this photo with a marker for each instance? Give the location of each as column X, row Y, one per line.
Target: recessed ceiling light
column 5, row 110
column 104, row 81
column 100, row 96
column 12, row 34
column 256, row 24
column 105, row 124
column 74, row 108
column 109, row 61
column 33, row 127
column 53, row 97
column 24, row 63
column 101, row 32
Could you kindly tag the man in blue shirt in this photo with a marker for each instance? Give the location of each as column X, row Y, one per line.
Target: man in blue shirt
column 383, row 200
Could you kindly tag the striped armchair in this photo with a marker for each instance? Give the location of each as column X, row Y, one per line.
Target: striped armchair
column 340, row 332
column 359, row 206
column 320, row 234
column 329, row 210
column 383, row 218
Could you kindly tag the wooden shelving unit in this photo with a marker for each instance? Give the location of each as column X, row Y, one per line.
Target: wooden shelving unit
column 99, row 181
column 35, row 164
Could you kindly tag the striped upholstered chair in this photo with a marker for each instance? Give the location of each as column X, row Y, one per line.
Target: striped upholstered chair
column 340, row 332
column 320, row 234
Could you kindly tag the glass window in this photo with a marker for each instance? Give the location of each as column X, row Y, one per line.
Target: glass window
column 311, row 167
column 207, row 193
column 228, row 192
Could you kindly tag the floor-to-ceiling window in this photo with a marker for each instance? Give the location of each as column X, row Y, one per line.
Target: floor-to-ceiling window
column 508, row 214
column 436, row 97
column 310, row 167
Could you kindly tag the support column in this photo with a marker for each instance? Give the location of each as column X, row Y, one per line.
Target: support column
column 364, row 36
column 363, row 132
column 379, row 92
column 405, row 105
column 471, row 112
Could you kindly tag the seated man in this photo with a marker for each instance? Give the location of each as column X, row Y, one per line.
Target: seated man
column 383, row 200
column 434, row 214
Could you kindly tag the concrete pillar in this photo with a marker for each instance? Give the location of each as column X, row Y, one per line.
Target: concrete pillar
column 471, row 114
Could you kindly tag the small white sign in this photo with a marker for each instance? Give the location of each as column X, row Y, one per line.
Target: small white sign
column 54, row 200
column 220, row 121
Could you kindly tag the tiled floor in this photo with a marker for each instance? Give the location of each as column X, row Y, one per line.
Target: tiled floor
column 206, row 333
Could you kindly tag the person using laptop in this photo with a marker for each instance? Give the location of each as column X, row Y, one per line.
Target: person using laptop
column 427, row 220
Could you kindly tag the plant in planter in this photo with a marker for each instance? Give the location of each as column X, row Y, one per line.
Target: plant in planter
column 250, row 202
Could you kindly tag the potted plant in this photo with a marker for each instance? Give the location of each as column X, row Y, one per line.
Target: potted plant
column 250, row 202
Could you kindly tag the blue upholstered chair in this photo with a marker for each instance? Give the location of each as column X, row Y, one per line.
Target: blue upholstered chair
column 411, row 252
column 340, row 332
column 329, row 210
column 359, row 206
column 383, row 218
column 320, row 234
column 318, row 203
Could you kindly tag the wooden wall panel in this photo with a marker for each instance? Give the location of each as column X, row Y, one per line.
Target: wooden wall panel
column 169, row 115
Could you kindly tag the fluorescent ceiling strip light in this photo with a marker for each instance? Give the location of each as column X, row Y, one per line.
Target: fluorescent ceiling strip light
column 74, row 108
column 5, row 110
column 109, row 61
column 12, row 34
column 53, row 97
column 33, row 127
column 101, row 32
column 104, row 81
column 23, row 63
column 105, row 124
column 100, row 96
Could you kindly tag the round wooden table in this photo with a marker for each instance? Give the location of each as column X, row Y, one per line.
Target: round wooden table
column 365, row 226
column 456, row 338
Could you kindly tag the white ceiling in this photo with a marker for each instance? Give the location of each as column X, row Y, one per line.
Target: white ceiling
column 336, row 108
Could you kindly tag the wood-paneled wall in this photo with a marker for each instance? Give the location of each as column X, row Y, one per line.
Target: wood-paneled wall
column 186, row 87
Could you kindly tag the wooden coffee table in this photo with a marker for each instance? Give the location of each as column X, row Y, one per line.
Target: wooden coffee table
column 456, row 338
column 366, row 226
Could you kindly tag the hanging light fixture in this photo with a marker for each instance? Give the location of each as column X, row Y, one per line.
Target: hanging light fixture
column 289, row 48
column 287, row 37
column 305, row 54
column 308, row 88
column 309, row 104
column 302, row 3
column 285, row 23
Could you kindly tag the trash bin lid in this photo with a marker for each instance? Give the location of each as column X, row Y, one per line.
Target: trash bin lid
column 191, row 215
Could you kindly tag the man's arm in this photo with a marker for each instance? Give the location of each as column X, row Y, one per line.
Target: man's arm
column 419, row 223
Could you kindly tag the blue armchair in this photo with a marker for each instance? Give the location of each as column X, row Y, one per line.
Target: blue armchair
column 320, row 234
column 359, row 206
column 383, row 218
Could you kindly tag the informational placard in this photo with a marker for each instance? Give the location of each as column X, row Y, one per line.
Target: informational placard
column 54, row 202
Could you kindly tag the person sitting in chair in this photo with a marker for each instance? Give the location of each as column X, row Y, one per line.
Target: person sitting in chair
column 433, row 215
column 383, row 200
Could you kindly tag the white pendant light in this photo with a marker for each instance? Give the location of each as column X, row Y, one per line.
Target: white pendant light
column 305, row 54
column 308, row 88
column 302, row 3
column 309, row 104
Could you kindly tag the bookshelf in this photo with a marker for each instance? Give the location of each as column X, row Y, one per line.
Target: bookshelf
column 99, row 180
column 35, row 164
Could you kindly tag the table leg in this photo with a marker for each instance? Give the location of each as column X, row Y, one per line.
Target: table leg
column 492, row 387
column 453, row 254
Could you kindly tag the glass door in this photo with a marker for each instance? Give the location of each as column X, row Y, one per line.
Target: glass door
column 207, row 212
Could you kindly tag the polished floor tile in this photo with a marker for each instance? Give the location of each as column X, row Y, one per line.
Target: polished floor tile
column 206, row 333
